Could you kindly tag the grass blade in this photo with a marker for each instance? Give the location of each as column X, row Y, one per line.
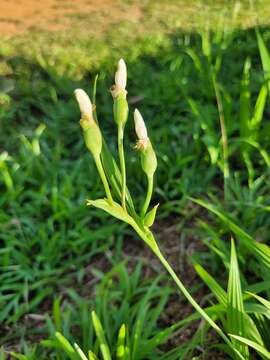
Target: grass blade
column 260, row 250
column 260, row 349
column 120, row 352
column 217, row 290
column 66, row 346
column 245, row 100
column 101, row 337
column 265, row 57
column 235, row 310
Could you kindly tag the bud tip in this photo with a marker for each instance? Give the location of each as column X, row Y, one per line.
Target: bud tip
column 140, row 127
column 121, row 75
column 84, row 103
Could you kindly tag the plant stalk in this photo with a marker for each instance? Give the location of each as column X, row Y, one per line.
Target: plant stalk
column 103, row 178
column 151, row 242
column 122, row 163
column 193, row 302
column 148, row 195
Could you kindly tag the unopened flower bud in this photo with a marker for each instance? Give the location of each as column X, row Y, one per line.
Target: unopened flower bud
column 148, row 160
column 120, row 105
column 92, row 137
column 148, row 155
column 91, row 132
column 140, row 127
column 119, row 88
column 85, row 104
column 121, row 75
column 120, row 109
column 141, row 131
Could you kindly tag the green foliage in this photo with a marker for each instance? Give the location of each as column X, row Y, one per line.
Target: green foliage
column 191, row 88
column 239, row 314
column 124, row 324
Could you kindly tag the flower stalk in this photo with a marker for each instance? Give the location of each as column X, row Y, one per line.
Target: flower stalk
column 120, row 111
column 92, row 136
column 148, row 157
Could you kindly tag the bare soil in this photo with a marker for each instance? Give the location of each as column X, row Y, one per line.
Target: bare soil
column 20, row 16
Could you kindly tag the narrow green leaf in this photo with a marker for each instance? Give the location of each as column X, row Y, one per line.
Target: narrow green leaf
column 235, row 310
column 80, row 352
column 57, row 312
column 91, row 355
column 2, row 354
column 66, row 346
column 104, row 348
column 94, row 97
column 217, row 290
column 19, row 356
column 245, row 100
column 265, row 57
column 120, row 352
column 260, row 250
column 259, row 109
column 260, row 349
column 263, row 301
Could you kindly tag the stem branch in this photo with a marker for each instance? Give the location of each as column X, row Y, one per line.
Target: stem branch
column 148, row 195
column 122, row 163
column 103, row 178
column 193, row 302
column 151, row 242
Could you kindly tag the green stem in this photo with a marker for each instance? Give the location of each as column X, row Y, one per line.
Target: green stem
column 103, row 178
column 200, row 310
column 185, row 291
column 122, row 164
column 151, row 242
column 148, row 195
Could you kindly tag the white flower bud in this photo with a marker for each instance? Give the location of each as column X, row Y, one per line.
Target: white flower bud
column 85, row 104
column 121, row 75
column 140, row 127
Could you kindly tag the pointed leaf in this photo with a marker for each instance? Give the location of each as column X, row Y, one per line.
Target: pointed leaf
column 245, row 100
column 113, row 209
column 66, row 346
column 104, row 348
column 91, row 355
column 235, row 312
column 265, row 57
column 259, row 109
column 120, row 352
column 260, row 250
column 217, row 290
column 80, row 352
column 260, row 349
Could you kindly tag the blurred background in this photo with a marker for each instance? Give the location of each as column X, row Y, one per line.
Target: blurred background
column 187, row 63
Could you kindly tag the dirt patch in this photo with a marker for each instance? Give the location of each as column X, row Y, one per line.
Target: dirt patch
column 20, row 16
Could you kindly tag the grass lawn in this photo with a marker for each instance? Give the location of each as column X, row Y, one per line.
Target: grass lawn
column 199, row 73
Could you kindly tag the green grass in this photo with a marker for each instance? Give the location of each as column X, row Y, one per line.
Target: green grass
column 49, row 238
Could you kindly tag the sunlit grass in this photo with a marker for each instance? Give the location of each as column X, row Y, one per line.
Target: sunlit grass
column 48, row 236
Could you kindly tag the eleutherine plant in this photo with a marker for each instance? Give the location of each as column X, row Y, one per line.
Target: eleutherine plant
column 118, row 201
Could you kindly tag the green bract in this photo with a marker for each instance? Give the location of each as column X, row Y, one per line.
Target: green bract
column 92, row 136
column 120, row 108
column 149, row 160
